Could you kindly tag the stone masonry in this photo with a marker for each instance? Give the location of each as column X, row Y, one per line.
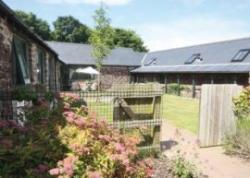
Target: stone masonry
column 5, row 55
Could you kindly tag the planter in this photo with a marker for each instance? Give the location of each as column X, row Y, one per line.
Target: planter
column 19, row 108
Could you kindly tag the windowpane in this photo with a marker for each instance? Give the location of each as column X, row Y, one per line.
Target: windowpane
column 192, row 58
column 21, row 62
column 241, row 55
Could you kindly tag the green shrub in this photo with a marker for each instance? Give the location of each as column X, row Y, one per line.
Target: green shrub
column 182, row 168
column 242, row 104
column 24, row 93
column 30, row 150
column 176, row 89
column 239, row 142
column 70, row 143
column 95, row 149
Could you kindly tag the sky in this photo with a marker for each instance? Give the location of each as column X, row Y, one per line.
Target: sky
column 162, row 24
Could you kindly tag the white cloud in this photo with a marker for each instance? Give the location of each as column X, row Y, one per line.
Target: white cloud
column 94, row 2
column 190, row 32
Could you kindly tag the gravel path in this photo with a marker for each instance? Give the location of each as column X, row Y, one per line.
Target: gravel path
column 210, row 161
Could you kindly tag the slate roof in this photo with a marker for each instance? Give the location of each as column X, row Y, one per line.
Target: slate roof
column 80, row 54
column 205, row 68
column 216, row 58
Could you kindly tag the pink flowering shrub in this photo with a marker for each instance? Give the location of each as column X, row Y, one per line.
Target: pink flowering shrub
column 94, row 149
column 68, row 142
column 30, row 150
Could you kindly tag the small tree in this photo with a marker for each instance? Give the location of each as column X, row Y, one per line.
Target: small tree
column 101, row 38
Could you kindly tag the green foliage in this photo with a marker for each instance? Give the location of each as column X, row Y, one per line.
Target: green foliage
column 242, row 105
column 148, row 153
column 96, row 150
column 69, row 29
column 101, row 37
column 84, row 146
column 39, row 111
column 36, row 24
column 176, row 89
column 24, row 93
column 30, row 150
column 128, row 39
column 182, row 168
column 239, row 142
column 49, row 96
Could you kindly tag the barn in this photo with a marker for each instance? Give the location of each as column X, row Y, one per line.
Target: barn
column 226, row 62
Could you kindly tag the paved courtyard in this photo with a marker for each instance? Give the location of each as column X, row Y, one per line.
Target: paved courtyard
column 210, row 161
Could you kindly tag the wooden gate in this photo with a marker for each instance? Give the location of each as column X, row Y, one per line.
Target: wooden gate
column 216, row 113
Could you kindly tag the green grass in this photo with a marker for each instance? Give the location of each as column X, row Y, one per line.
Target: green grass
column 103, row 110
column 181, row 112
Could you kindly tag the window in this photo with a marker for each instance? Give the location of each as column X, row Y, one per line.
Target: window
column 241, row 55
column 41, row 66
column 21, row 62
column 193, row 58
column 51, row 73
column 152, row 61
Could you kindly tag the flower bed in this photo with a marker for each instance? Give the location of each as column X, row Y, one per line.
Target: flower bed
column 70, row 143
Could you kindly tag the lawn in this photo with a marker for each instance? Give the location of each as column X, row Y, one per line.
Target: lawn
column 103, row 110
column 181, row 112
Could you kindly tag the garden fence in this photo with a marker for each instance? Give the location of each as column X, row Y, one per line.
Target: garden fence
column 134, row 109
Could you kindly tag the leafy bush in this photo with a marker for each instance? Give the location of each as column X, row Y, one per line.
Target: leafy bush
column 242, row 105
column 95, row 149
column 30, row 150
column 70, row 143
column 239, row 142
column 24, row 93
column 182, row 168
column 176, row 89
column 39, row 111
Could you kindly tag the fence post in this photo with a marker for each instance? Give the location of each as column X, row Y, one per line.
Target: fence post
column 193, row 88
column 179, row 86
column 166, row 84
column 235, row 79
column 212, row 79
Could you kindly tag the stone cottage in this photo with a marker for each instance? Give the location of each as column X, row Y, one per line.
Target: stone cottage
column 116, row 68
column 25, row 60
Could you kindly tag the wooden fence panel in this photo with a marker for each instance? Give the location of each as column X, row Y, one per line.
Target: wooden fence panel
column 216, row 113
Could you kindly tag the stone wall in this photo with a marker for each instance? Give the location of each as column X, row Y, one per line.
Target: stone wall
column 110, row 75
column 114, row 75
column 5, row 55
column 7, row 69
